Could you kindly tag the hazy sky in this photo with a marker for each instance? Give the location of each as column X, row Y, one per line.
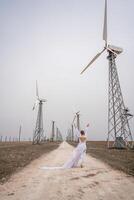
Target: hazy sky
column 51, row 41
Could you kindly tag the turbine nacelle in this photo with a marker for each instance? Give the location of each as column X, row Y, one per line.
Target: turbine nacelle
column 38, row 99
column 115, row 49
column 43, row 100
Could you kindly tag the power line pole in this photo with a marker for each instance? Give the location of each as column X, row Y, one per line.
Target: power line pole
column 5, row 138
column 10, row 139
column 20, row 128
column 53, row 131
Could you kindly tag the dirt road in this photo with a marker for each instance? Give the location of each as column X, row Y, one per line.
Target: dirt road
column 96, row 181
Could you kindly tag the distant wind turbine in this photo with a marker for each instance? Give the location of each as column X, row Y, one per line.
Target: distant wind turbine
column 38, row 135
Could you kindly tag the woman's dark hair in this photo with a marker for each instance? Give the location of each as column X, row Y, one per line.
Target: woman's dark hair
column 82, row 132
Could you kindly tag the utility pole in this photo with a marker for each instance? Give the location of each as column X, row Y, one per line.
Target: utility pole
column 10, row 139
column 53, row 131
column 6, row 139
column 20, row 133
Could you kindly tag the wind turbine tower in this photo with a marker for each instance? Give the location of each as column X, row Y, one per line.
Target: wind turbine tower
column 78, row 120
column 53, row 131
column 20, row 128
column 77, row 117
column 38, row 135
column 119, row 133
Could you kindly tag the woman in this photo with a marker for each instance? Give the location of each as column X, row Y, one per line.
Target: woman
column 78, row 153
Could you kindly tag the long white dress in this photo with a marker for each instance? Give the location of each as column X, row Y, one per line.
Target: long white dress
column 77, row 155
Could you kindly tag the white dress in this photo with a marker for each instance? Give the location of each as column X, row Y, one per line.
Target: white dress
column 77, row 155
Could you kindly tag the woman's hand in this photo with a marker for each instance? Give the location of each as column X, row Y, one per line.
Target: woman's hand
column 88, row 125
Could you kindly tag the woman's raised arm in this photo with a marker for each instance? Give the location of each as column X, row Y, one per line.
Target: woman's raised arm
column 87, row 129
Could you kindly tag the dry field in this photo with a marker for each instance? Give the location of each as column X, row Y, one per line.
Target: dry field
column 14, row 156
column 95, row 181
column 119, row 159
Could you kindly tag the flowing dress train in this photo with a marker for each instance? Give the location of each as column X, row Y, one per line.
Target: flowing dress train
column 77, row 155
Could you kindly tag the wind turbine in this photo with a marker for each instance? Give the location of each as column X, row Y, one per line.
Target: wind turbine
column 38, row 136
column 77, row 117
column 119, row 133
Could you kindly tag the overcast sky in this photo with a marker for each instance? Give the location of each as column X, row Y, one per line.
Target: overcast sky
column 51, row 41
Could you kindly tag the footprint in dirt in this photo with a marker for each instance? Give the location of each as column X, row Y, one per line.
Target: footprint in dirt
column 75, row 178
column 24, row 186
column 91, row 174
column 85, row 176
column 11, row 194
column 94, row 184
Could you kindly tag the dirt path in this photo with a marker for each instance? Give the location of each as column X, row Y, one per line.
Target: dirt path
column 96, row 181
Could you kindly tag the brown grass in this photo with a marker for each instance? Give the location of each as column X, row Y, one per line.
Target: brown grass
column 14, row 156
column 120, row 159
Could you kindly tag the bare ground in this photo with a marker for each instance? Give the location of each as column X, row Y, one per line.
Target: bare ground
column 96, row 181
column 121, row 159
column 16, row 155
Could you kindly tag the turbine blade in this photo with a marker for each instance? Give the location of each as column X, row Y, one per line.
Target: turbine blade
column 35, row 104
column 105, row 24
column 37, row 92
column 95, row 58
